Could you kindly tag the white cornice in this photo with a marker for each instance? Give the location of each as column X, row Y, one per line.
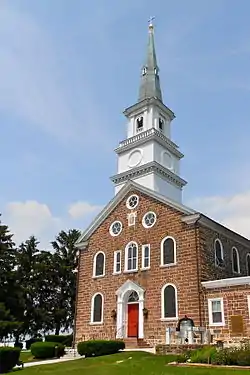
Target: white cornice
column 145, row 103
column 149, row 135
column 223, row 283
column 130, row 185
column 149, row 168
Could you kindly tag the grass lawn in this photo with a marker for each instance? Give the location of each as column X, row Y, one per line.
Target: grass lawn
column 27, row 357
column 141, row 363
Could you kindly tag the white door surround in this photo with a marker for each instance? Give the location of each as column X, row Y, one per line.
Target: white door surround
column 123, row 294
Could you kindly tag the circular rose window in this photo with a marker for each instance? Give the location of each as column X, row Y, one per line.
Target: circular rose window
column 149, row 219
column 115, row 228
column 132, row 201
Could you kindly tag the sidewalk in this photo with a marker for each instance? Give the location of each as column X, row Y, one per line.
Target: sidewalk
column 50, row 361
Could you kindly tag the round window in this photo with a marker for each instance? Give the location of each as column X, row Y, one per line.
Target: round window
column 149, row 219
column 132, row 201
column 115, row 228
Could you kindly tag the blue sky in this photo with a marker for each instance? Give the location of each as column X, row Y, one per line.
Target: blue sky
column 68, row 68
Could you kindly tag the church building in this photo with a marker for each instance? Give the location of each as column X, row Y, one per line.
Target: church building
column 149, row 265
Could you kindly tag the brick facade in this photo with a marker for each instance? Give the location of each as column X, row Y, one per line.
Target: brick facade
column 195, row 263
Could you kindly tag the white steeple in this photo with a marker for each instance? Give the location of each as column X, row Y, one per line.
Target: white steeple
column 148, row 156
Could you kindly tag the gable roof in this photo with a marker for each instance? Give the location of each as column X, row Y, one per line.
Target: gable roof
column 130, row 185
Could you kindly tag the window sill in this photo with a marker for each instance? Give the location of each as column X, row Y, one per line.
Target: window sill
column 168, row 265
column 97, row 277
column 116, row 273
column 95, row 323
column 169, row 319
column 222, row 324
column 130, row 271
column 145, row 268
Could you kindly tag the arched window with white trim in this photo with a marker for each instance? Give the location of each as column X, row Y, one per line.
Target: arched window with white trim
column 99, row 264
column 218, row 253
column 131, row 257
column 248, row 264
column 235, row 260
column 169, row 309
column 168, row 251
column 97, row 308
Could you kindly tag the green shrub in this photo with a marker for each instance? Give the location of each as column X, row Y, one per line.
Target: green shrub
column 99, row 347
column 203, row 355
column 233, row 356
column 43, row 350
column 32, row 341
column 8, row 358
column 62, row 339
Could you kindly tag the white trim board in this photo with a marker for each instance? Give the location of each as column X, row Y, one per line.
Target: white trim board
column 223, row 283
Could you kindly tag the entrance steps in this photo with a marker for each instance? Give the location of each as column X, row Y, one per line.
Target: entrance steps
column 135, row 343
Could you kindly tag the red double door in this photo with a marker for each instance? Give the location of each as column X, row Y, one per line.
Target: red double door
column 133, row 319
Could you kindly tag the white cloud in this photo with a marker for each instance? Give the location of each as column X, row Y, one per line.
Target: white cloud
column 232, row 211
column 82, row 209
column 31, row 218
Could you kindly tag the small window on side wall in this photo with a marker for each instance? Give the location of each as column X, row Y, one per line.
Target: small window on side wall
column 145, row 256
column 248, row 264
column 219, row 256
column 235, row 260
column 216, row 312
column 117, row 262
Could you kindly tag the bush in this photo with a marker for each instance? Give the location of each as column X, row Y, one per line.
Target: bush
column 8, row 358
column 62, row 339
column 18, row 345
column 44, row 350
column 233, row 356
column 32, row 341
column 99, row 347
column 204, row 355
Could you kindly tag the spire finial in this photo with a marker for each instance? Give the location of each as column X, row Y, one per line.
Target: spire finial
column 150, row 23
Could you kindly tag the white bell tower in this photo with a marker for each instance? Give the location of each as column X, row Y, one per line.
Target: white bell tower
column 148, row 156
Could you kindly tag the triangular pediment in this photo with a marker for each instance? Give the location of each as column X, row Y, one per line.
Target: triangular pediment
column 127, row 286
column 129, row 186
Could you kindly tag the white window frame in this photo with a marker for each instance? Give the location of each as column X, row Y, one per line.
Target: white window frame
column 162, row 252
column 143, row 257
column 115, row 262
column 222, row 251
column 92, row 309
column 143, row 220
column 162, row 303
column 110, row 229
column 127, row 201
column 248, row 305
column 126, row 270
column 238, row 260
column 210, row 315
column 132, row 215
column 94, row 265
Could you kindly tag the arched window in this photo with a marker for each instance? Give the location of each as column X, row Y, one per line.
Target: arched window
column 99, row 264
column 218, row 250
column 139, row 124
column 235, row 260
column 133, row 297
column 97, row 308
column 248, row 264
column 131, row 257
column 168, row 251
column 169, row 302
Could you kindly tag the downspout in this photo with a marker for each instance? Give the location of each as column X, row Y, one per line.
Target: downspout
column 197, row 246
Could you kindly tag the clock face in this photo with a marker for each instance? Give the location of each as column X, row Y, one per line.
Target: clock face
column 134, row 158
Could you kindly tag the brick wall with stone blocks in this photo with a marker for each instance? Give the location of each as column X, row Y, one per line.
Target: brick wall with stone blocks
column 183, row 275
column 235, row 301
column 209, row 271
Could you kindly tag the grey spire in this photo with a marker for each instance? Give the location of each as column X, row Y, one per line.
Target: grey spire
column 150, row 81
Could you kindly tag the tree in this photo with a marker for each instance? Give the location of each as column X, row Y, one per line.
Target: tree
column 65, row 264
column 9, row 291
